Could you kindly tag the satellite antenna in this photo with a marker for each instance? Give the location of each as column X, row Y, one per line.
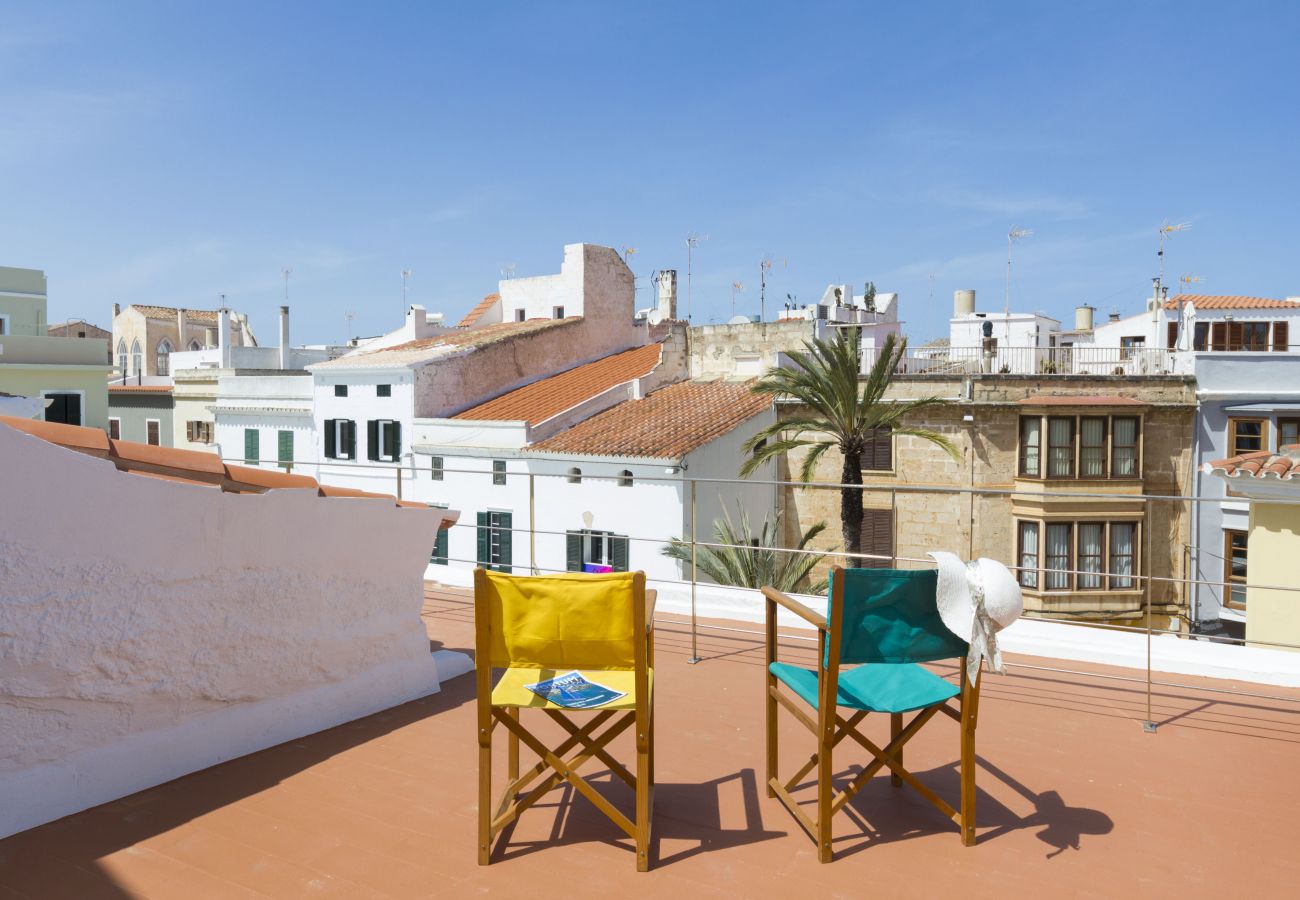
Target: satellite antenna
column 764, row 266
column 1167, row 230
column 1015, row 234
column 692, row 240
column 737, row 287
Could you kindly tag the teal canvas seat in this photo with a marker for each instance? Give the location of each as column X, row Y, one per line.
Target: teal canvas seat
column 881, row 624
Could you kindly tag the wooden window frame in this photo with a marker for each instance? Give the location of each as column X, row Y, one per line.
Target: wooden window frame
column 1281, row 336
column 1290, row 420
column 158, row 424
column 1022, row 446
column 1234, row 421
column 1111, row 447
column 1136, row 575
column 1104, row 447
column 114, row 428
column 1073, row 445
column 1036, row 572
column 1228, row 578
column 1101, row 574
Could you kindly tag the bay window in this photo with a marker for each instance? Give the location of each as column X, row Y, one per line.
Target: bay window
column 1078, row 556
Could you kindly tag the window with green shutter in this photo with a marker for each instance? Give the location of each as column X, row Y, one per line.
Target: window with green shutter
column 439, row 557
column 573, row 551
column 284, row 447
column 251, row 449
column 495, row 540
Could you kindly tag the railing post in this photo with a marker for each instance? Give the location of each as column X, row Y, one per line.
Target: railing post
column 1149, row 726
column 398, row 469
column 695, row 649
column 532, row 526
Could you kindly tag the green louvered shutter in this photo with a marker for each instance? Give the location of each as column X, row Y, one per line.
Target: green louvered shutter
column 351, row 443
column 573, row 548
column 329, row 439
column 440, row 548
column 395, row 439
column 504, row 521
column 285, row 449
column 484, row 539
column 251, row 449
column 618, row 553
column 372, row 440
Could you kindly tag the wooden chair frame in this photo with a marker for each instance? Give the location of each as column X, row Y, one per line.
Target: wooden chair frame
column 587, row 739
column 830, row 728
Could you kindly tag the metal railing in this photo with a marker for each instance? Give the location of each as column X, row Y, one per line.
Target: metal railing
column 405, row 476
column 975, row 360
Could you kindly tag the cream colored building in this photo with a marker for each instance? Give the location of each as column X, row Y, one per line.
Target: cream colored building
column 66, row 375
column 1032, row 442
column 1271, row 482
column 144, row 337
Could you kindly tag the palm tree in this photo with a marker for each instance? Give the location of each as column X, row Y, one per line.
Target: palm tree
column 743, row 560
column 824, row 379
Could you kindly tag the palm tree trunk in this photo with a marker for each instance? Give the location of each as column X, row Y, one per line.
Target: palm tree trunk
column 851, row 505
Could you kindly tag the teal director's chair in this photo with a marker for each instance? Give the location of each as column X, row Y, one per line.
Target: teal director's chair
column 883, row 622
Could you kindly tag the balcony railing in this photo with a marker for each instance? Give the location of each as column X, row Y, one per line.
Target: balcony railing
column 959, row 361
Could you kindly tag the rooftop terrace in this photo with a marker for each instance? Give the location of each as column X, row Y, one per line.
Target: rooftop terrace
column 1075, row 800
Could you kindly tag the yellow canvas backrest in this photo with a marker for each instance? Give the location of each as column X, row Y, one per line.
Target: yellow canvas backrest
column 558, row 621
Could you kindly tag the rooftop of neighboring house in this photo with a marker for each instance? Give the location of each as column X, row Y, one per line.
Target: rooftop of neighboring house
column 550, row 396
column 477, row 312
column 1074, row 798
column 194, row 467
column 140, row 388
column 1229, row 301
column 425, row 350
column 666, row 424
column 1261, row 465
column 197, row 316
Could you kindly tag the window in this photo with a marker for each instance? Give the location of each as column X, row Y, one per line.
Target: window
column 1288, row 432
column 519, row 315
column 498, row 471
column 1030, row 445
column 557, row 312
column 194, row 345
column 595, row 551
column 252, row 446
column 383, row 390
column 1247, row 436
column 625, row 478
column 575, row 476
column 115, row 429
column 152, row 432
column 198, row 432
column 878, row 538
column 494, row 540
column 877, row 454
column 1060, row 447
column 1092, row 447
column 436, row 465
column 137, row 358
column 1171, row 336
column 1028, row 538
column 340, row 390
column 161, row 364
column 65, row 407
column 1234, row 567
column 1254, row 335
column 1123, row 447
column 121, row 356
column 1281, row 336
column 340, row 439
column 284, row 449
column 384, row 440
column 1078, row 556
column 4, row 325
column 1129, row 345
column 1199, row 333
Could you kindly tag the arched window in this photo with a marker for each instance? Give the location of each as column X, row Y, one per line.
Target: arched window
column 121, row 356
column 137, row 358
column 575, row 476
column 625, row 478
column 194, row 345
column 161, row 364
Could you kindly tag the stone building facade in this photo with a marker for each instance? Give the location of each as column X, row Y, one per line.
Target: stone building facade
column 1037, row 445
column 144, row 337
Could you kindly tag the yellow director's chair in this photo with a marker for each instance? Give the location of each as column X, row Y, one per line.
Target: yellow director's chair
column 539, row 627
column 885, row 621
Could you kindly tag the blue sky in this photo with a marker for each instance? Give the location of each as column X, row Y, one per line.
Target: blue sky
column 165, row 153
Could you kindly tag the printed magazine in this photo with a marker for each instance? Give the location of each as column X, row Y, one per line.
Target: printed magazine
column 573, row 691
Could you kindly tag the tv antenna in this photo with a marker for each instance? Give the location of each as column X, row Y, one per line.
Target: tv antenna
column 286, row 272
column 1168, row 231
column 737, row 287
column 628, row 252
column 406, row 277
column 1185, row 280
column 764, row 266
column 932, row 276
column 348, row 317
column 692, row 240
column 508, row 271
column 1015, row 234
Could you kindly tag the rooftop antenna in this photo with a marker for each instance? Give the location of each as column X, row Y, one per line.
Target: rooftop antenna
column 508, row 271
column 1167, row 230
column 737, row 287
column 348, row 317
column 286, row 272
column 932, row 276
column 628, row 252
column 764, row 267
column 1015, row 234
column 692, row 240
column 1185, row 280
column 406, row 277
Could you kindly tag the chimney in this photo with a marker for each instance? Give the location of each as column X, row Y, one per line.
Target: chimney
column 117, row 310
column 284, row 337
column 209, row 338
column 963, row 303
column 667, row 294
column 180, row 329
column 1114, row 317
column 223, row 336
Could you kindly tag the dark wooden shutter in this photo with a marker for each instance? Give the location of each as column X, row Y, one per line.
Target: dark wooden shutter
column 1219, row 336
column 618, row 553
column 505, row 538
column 351, row 428
column 394, row 439
column 484, row 539
column 1172, row 341
column 74, row 409
column 372, row 440
column 1281, row 336
column 330, row 451
column 1236, row 337
column 877, row 537
column 573, row 551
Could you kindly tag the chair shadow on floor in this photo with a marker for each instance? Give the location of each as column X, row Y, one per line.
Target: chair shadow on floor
column 687, row 819
column 883, row 813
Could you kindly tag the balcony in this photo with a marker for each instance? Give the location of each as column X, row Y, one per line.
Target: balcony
column 1090, row 361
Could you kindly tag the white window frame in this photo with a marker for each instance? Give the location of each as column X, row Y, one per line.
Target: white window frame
column 158, row 422
column 338, row 442
column 557, row 312
column 82, row 394
column 381, row 432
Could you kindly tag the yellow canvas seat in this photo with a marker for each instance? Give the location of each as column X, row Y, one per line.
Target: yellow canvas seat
column 532, row 629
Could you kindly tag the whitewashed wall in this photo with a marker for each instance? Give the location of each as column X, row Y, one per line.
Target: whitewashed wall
column 149, row 628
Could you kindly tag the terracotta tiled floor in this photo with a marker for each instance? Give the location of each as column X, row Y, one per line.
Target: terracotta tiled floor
column 1074, row 801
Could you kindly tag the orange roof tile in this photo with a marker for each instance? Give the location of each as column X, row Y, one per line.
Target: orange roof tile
column 1229, row 301
column 74, row 437
column 198, row 316
column 477, row 312
column 543, row 399
column 1079, row 400
column 141, row 388
column 426, row 349
column 667, row 424
column 1284, row 466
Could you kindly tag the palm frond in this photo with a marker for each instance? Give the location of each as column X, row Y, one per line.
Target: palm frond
column 745, row 559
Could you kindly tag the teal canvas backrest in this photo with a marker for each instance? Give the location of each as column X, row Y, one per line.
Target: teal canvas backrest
column 890, row 616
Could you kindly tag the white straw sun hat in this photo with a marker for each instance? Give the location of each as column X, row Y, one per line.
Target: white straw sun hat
column 976, row 600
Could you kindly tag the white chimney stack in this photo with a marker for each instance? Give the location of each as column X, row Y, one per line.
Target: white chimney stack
column 223, row 336
column 284, row 337
column 667, row 303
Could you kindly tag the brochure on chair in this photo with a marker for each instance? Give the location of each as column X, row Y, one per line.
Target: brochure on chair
column 573, row 691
